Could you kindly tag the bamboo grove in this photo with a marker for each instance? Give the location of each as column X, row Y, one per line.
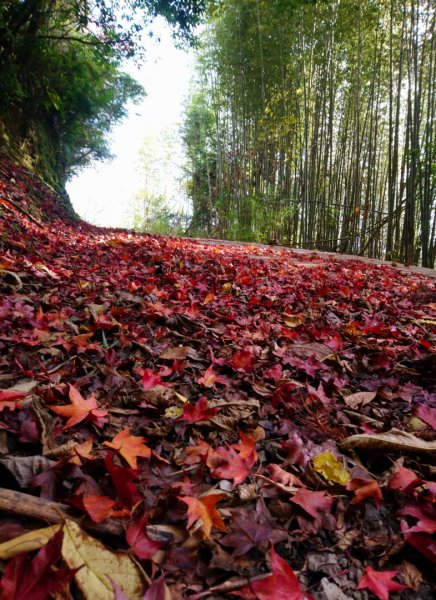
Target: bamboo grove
column 312, row 123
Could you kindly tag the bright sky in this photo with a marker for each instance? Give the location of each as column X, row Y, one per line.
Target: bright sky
column 101, row 193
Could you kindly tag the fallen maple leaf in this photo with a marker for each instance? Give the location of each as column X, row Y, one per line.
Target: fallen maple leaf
column 199, row 411
column 282, row 584
column 38, row 578
column 425, row 513
column 98, row 508
column 129, row 446
column 157, row 590
column 150, row 379
column 279, row 475
column 363, row 489
column 249, row 529
column 427, row 414
column 210, row 378
column 421, row 541
column 81, row 452
column 204, row 508
column 123, row 478
column 80, row 409
column 228, row 464
column 247, row 446
column 243, row 360
column 8, row 399
column 210, row 296
column 404, row 479
column 312, row 502
column 380, row 583
column 140, row 544
column 196, row 454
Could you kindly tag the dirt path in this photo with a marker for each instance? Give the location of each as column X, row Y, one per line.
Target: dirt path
column 311, row 253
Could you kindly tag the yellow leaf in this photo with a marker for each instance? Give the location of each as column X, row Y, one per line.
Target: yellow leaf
column 32, row 540
column 97, row 563
column 174, row 412
column 293, row 320
column 210, row 296
column 327, row 465
column 181, row 397
column 416, row 424
column 227, row 287
column 350, row 329
column 114, row 242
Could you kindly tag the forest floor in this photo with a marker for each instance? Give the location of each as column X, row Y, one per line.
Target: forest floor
column 197, row 419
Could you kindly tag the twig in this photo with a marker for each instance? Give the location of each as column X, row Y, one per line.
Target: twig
column 24, row 505
column 229, row 586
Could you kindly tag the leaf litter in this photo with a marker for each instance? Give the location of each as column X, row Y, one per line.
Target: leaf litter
column 257, row 428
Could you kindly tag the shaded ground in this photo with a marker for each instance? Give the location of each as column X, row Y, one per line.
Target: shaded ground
column 216, row 411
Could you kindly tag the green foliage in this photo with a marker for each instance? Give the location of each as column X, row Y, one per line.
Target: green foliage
column 61, row 79
column 200, row 139
column 312, row 123
column 153, row 215
column 158, row 206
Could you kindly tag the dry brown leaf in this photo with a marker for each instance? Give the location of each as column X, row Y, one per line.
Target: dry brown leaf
column 393, row 440
column 97, row 563
column 176, row 353
column 332, row 591
column 411, row 575
column 232, row 413
column 24, row 469
column 359, row 399
column 248, row 491
column 320, row 351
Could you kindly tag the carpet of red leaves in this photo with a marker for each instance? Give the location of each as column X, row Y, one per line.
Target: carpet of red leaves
column 206, row 399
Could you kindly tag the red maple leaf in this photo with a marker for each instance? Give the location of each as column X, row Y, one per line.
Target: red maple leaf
column 8, row 399
column 312, row 502
column 421, row 541
column 129, row 446
column 36, row 579
column 363, row 489
column 204, row 508
column 425, row 513
column 283, row 583
column 140, row 544
column 427, row 414
column 196, row 454
column 404, row 479
column 150, row 379
column 80, row 409
column 210, row 378
column 228, row 464
column 275, row 372
column 199, row 411
column 282, row 477
column 243, row 360
column 123, row 478
column 380, row 583
column 247, row 446
column 98, row 508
